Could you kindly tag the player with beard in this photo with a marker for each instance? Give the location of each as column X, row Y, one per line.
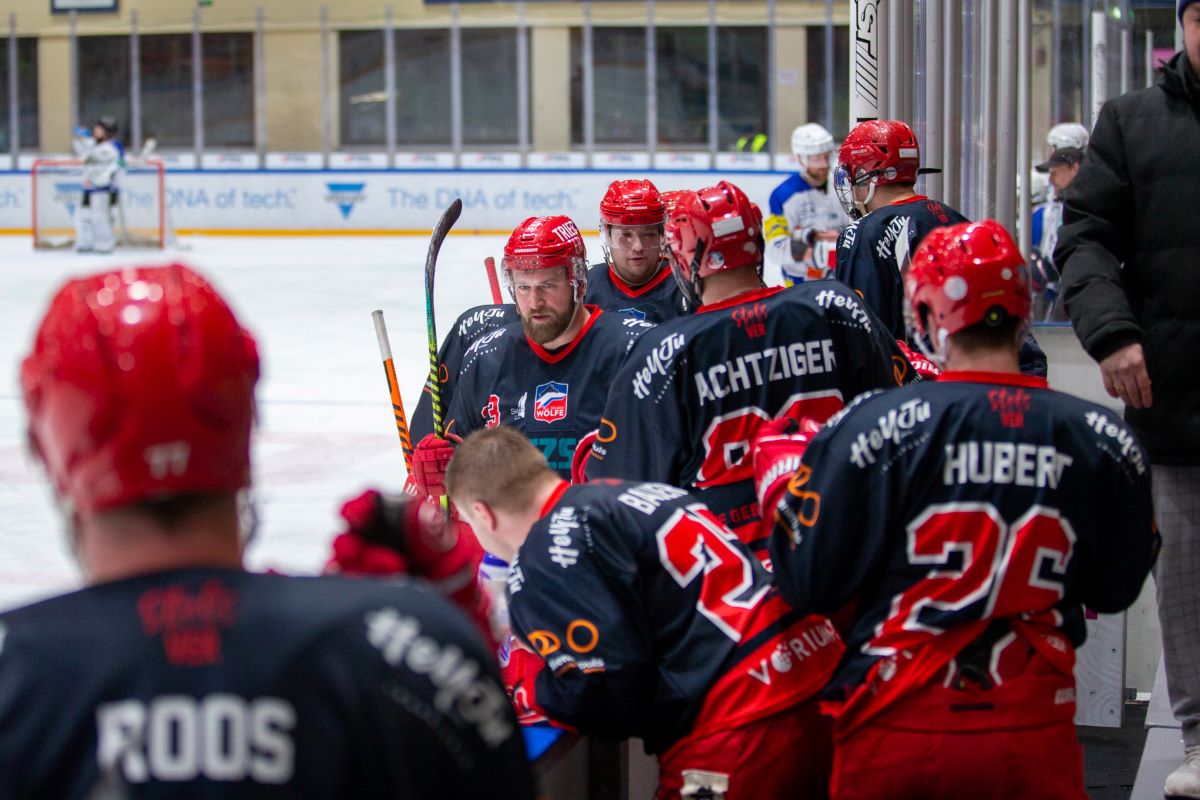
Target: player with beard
column 547, row 374
column 635, row 278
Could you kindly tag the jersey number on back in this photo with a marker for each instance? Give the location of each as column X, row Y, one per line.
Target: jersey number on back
column 728, row 440
column 976, row 559
column 691, row 545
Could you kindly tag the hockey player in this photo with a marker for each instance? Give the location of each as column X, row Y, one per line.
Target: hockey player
column 101, row 155
column 805, row 216
column 686, row 405
column 878, row 165
column 969, row 520
column 654, row 622
column 635, row 279
column 175, row 672
column 548, row 374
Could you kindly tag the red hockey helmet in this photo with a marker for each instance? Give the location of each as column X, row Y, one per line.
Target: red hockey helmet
column 140, row 385
column 632, row 203
column 710, row 230
column 963, row 275
column 884, row 149
column 544, row 242
column 671, row 199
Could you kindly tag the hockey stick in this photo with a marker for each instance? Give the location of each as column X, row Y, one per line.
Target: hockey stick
column 449, row 217
column 389, row 370
column 493, row 281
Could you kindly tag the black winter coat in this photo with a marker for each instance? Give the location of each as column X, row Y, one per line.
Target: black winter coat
column 1130, row 251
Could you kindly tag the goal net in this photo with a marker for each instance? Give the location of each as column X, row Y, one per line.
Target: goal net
column 139, row 215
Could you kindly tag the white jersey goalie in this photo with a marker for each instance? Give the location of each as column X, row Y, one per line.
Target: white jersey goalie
column 102, row 157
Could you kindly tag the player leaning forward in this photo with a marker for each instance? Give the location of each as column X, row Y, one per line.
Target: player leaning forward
column 176, row 672
column 970, row 520
column 695, row 390
column 654, row 622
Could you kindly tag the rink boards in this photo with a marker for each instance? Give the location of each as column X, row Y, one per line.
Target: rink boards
column 294, row 202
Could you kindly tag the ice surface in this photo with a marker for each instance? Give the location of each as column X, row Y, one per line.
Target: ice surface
column 325, row 423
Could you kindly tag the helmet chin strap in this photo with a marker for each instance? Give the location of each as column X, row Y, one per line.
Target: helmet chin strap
column 861, row 205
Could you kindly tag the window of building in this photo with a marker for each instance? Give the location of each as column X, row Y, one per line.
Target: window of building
column 423, row 110
column 103, row 80
column 27, row 96
column 741, row 84
column 165, row 72
column 619, row 63
column 489, row 86
column 818, row 85
column 681, row 79
column 361, row 101
column 228, row 89
column 423, row 87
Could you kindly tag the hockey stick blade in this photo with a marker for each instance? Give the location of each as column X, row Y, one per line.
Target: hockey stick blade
column 440, row 231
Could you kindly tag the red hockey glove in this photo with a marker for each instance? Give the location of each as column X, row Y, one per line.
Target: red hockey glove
column 397, row 535
column 583, row 449
column 924, row 367
column 430, row 460
column 519, row 668
column 777, row 450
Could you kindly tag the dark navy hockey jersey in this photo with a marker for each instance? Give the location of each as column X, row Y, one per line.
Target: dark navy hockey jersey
column 470, row 325
column 654, row 620
column 655, row 301
column 941, row 507
column 872, row 251
column 694, row 392
column 554, row 398
column 226, row 684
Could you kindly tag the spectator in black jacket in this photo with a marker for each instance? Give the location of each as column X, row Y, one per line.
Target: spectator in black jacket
column 1129, row 251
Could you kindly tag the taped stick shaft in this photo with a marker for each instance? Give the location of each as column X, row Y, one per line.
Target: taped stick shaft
column 493, row 280
column 389, row 371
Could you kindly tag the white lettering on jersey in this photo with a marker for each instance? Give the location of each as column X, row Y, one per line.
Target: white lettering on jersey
column 896, row 226
column 460, row 685
column 562, row 523
column 478, row 318
column 221, row 737
column 1106, row 426
column 793, row 651
column 648, row 497
column 1004, row 463
column 656, row 364
column 891, row 427
column 776, row 364
column 828, row 298
column 484, row 340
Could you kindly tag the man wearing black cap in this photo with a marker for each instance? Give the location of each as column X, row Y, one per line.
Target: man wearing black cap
column 1062, row 166
column 1129, row 250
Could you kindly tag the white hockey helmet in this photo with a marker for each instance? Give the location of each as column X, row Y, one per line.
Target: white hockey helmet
column 1067, row 134
column 811, row 139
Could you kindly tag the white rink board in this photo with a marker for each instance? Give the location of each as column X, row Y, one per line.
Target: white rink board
column 314, row 201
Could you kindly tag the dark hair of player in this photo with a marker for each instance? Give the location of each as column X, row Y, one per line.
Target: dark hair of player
column 983, row 336
column 497, row 466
